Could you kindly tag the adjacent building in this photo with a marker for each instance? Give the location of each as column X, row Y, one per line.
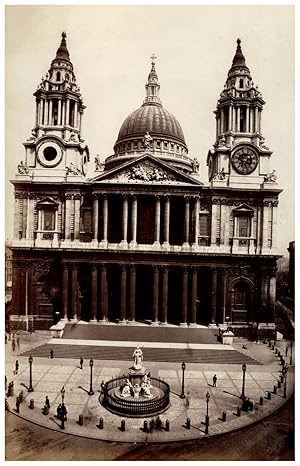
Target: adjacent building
column 144, row 239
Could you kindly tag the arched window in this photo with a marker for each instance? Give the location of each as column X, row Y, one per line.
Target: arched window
column 58, row 76
column 241, row 83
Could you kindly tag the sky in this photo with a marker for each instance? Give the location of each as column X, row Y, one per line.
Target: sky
column 110, row 48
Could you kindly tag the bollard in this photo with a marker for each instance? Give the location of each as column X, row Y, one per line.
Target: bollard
column 251, row 406
column 269, row 395
column 188, row 423
column 101, row 423
column 31, row 404
column 275, row 390
column 224, row 416
column 80, row 420
column 238, row 411
column 279, row 384
column 145, row 426
column 167, row 425
column 261, row 401
column 122, row 425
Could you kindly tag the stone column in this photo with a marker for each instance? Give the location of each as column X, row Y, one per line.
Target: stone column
column 194, row 297
column 74, row 292
column 46, row 113
column 122, row 314
column 68, row 211
column 213, row 304
column 30, row 218
column 105, row 218
column 75, row 115
column 230, row 118
column 272, row 294
column 63, row 114
column 104, row 294
column 274, row 224
column 132, row 297
column 165, row 295
column 186, row 235
column 223, row 295
column 125, row 219
column 41, row 112
column 37, row 108
column 265, row 232
column 196, row 231
column 95, row 218
column 222, row 120
column 94, row 293
column 183, row 317
column 29, row 290
column 233, row 119
column 134, row 220
column 77, row 198
column 50, row 113
column 238, row 119
column 166, row 221
column 65, row 288
column 155, row 294
column 214, row 209
column 251, row 120
column 59, row 112
column 247, row 119
column 256, row 120
column 68, row 112
column 157, row 221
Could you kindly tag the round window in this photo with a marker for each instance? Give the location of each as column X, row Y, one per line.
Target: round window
column 50, row 153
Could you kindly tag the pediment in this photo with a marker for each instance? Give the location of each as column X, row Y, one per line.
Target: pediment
column 243, row 209
column 46, row 202
column 146, row 169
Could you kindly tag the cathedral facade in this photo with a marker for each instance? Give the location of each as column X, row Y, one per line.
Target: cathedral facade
column 144, row 240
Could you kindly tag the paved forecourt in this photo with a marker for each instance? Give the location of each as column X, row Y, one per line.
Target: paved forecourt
column 50, row 375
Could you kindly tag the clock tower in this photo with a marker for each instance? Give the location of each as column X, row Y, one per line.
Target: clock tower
column 239, row 157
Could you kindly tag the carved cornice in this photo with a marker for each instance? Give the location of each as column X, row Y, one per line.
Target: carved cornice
column 77, row 197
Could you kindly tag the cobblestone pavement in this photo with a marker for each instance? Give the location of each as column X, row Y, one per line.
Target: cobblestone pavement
column 50, row 375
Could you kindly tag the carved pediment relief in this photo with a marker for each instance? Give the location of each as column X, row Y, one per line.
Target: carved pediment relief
column 145, row 171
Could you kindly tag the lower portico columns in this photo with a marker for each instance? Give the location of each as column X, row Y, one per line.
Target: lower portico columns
column 94, row 292
column 166, row 221
column 104, row 295
column 165, row 292
column 65, row 291
column 213, row 304
column 183, row 317
column 194, row 297
column 123, row 294
column 155, row 294
column 223, row 296
column 74, row 292
column 157, row 222
column 186, row 222
column 132, row 296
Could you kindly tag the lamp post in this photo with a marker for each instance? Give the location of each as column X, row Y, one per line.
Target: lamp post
column 62, row 394
column 182, row 395
column 244, row 367
column 30, row 388
column 91, row 377
column 207, row 417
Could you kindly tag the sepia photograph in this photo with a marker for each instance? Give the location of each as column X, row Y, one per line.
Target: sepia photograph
column 149, row 232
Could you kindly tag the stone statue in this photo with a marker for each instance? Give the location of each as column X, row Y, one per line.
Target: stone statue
column 71, row 169
column 98, row 164
column 22, row 168
column 147, row 140
column 195, row 165
column 137, row 358
column 220, row 176
column 222, row 140
column 126, row 389
column 271, row 177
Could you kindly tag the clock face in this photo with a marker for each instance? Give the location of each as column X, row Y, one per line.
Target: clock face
column 244, row 161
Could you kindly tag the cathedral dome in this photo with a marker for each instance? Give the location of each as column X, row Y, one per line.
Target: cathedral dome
column 152, row 118
column 152, row 129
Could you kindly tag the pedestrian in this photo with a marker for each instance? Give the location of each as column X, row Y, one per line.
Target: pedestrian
column 16, row 367
column 47, row 402
column 18, row 340
column 5, row 338
column 215, row 380
column 187, row 400
column 64, row 412
column 51, row 353
column 286, row 351
column 18, row 402
column 81, row 362
column 6, row 406
column 5, row 383
column 13, row 344
column 58, row 411
column 158, row 423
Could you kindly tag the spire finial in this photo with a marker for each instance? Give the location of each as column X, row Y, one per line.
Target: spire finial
column 238, row 42
column 153, row 58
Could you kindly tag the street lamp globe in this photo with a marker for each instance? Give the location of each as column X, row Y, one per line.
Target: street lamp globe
column 30, row 359
column 91, row 362
column 244, row 367
column 183, row 366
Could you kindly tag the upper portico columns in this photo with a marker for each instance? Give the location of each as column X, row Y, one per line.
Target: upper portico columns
column 125, row 220
column 166, row 242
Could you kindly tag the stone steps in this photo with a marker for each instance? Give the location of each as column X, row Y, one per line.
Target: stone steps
column 204, row 356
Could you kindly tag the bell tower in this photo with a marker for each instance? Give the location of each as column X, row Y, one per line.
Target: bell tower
column 239, row 156
column 55, row 148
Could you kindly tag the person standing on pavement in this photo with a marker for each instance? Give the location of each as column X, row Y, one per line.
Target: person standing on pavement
column 51, row 353
column 16, row 367
column 18, row 402
column 18, row 341
column 13, row 344
column 47, row 402
column 7, row 409
column 81, row 362
column 215, row 380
